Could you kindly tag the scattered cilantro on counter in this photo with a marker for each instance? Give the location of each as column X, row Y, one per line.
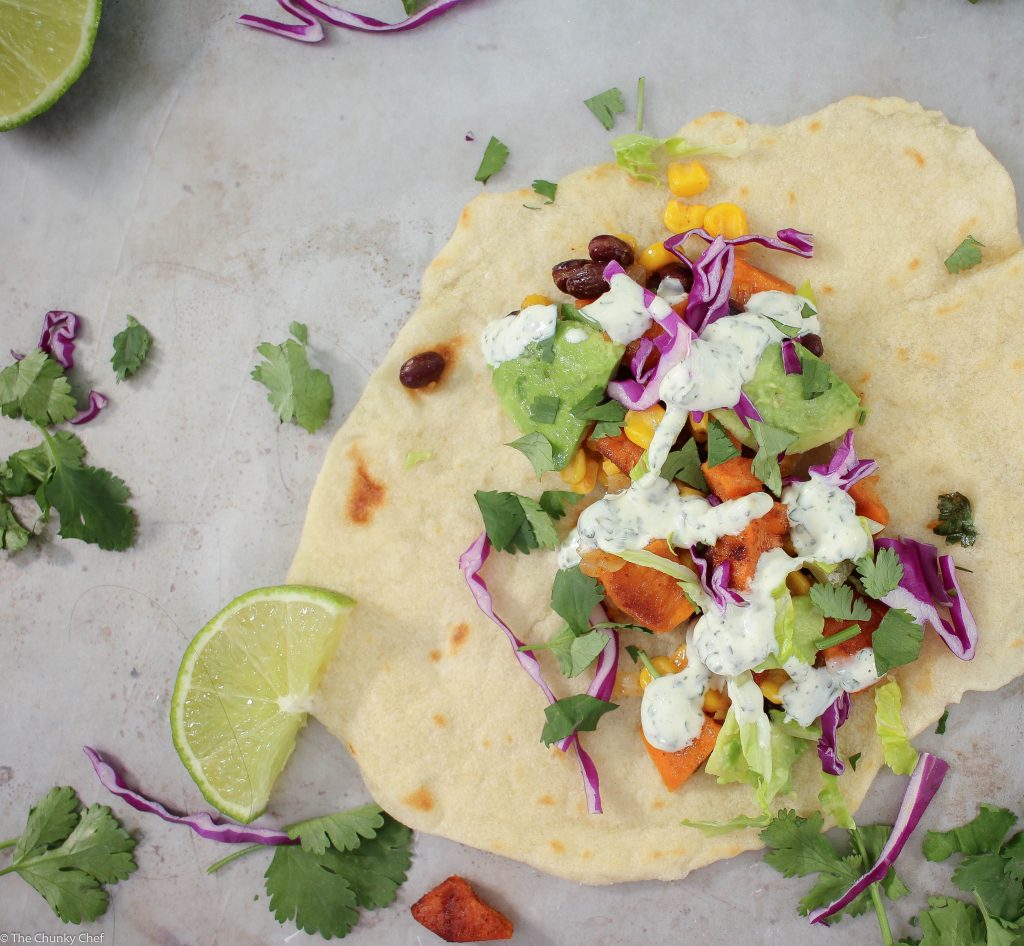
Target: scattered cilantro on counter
column 965, row 256
column 67, row 853
column 295, row 390
column 880, row 575
column 579, row 713
column 836, row 601
column 517, row 523
column 545, row 189
column 36, row 389
column 940, row 726
column 495, row 156
column 956, row 520
column 606, row 105
column 131, row 346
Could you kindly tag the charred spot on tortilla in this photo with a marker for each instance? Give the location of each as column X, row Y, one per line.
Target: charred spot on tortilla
column 421, row 799
column 440, row 719
column 365, row 495
column 919, row 159
column 459, row 635
column 545, row 800
column 435, row 655
column 557, row 846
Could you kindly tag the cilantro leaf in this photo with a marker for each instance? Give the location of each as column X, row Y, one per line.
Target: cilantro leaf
column 545, row 189
column 797, row 846
column 985, row 875
column 940, row 726
column 965, row 256
column 606, row 105
column 377, row 868
column 854, row 759
column 307, row 889
column 343, row 831
column 295, row 390
column 982, row 834
column 131, row 346
column 495, row 156
column 874, row 836
column 816, row 377
column 26, row 470
column 896, row 641
column 414, row 6
column 515, row 523
column 573, row 597
column 836, row 601
column 880, row 575
column 13, row 535
column 579, row 713
column 91, row 501
column 684, row 464
column 956, row 520
column 537, row 449
column 67, row 855
column 999, row 932
column 771, row 441
column 553, row 501
column 720, row 447
column 951, row 922
column 544, row 408
column 573, row 652
column 415, row 457
column 37, row 389
column 610, row 415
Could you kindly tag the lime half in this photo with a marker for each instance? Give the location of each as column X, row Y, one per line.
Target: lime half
column 244, row 688
column 44, row 46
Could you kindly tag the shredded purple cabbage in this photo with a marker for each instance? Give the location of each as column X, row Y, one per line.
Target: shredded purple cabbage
column 58, row 336
column 470, row 562
column 929, row 583
column 97, row 402
column 844, row 469
column 790, row 357
column 308, row 30
column 715, row 581
column 202, row 823
column 746, row 411
column 834, row 717
column 608, row 660
column 674, row 346
column 639, row 360
column 924, row 783
column 713, row 271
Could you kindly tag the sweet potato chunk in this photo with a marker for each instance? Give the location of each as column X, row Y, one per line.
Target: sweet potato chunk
column 620, row 450
column 650, row 598
column 676, row 767
column 732, row 479
column 749, row 279
column 855, row 644
column 865, row 494
column 745, row 549
column 455, row 913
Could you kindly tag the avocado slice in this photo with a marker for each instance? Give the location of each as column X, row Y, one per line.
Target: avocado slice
column 779, row 397
column 557, row 370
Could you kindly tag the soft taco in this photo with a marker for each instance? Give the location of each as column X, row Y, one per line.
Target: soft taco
column 425, row 690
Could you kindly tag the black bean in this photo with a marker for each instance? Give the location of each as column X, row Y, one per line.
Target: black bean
column 422, row 369
column 605, row 248
column 813, row 344
column 580, row 278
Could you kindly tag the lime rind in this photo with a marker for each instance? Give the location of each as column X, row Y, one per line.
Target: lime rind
column 244, row 688
column 52, row 81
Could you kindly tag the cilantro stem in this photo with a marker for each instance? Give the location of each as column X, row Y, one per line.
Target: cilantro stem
column 640, row 104
column 876, row 896
column 8, row 870
column 840, row 638
column 10, row 843
column 646, row 661
column 217, row 865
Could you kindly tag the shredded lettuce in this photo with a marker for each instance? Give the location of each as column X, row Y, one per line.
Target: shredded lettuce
column 645, row 157
column 900, row 755
column 798, row 626
column 832, row 802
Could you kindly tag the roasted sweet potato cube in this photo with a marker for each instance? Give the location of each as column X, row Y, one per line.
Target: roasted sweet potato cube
column 454, row 912
column 744, row 550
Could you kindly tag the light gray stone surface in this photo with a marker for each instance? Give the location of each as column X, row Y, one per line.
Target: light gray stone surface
column 218, row 183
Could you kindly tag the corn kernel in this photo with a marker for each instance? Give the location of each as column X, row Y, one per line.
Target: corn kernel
column 663, row 665
column 609, row 468
column 534, row 298
column 575, row 469
column 715, row 702
column 656, row 257
column 680, row 217
column 726, row 220
column 627, row 683
column 798, row 583
column 699, row 428
column 685, row 490
column 688, row 180
column 771, row 684
column 627, row 238
column 589, row 479
column 679, row 657
column 640, row 425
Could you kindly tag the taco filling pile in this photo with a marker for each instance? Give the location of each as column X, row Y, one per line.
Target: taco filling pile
column 725, row 525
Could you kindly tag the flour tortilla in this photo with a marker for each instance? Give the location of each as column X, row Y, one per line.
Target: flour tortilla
column 424, row 691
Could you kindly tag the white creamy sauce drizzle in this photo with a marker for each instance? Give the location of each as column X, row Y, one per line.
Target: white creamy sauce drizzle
column 621, row 311
column 672, row 291
column 575, row 335
column 824, row 523
column 507, row 338
column 856, row 672
column 672, row 708
column 743, row 637
column 653, row 509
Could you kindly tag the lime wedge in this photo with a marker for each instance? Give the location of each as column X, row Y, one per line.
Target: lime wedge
column 44, row 46
column 245, row 686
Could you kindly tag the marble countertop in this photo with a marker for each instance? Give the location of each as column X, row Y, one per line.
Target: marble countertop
column 218, row 183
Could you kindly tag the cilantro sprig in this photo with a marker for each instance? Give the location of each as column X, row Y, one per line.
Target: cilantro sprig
column 956, row 520
column 495, row 156
column 606, row 105
column 720, row 447
column 67, row 853
column 515, row 523
column 881, row 574
column 296, row 391
column 131, row 348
